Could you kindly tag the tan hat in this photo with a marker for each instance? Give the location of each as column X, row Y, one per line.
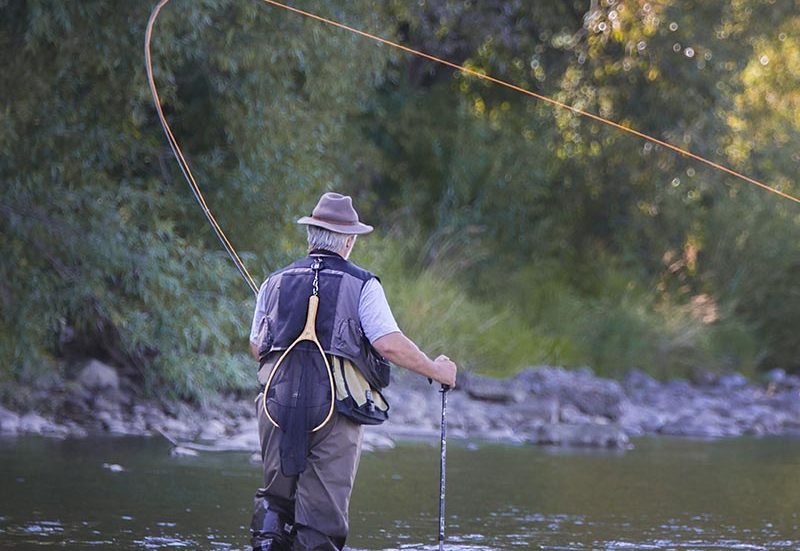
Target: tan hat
column 335, row 212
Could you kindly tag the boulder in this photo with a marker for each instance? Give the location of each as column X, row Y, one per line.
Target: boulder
column 637, row 420
column 592, row 395
column 581, row 435
column 600, row 397
column 638, row 380
column 180, row 451
column 245, row 441
column 702, row 424
column 704, row 377
column 9, row 421
column 376, row 440
column 732, row 381
column 98, row 376
column 571, row 415
column 34, row 423
column 775, row 376
column 493, row 390
column 544, row 409
column 213, row 430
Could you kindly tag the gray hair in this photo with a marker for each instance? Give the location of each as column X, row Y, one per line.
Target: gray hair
column 320, row 238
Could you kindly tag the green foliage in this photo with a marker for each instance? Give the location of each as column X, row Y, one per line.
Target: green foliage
column 436, row 310
column 104, row 252
column 504, row 219
column 515, row 185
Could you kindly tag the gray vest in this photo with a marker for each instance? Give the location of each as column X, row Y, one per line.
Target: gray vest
column 338, row 327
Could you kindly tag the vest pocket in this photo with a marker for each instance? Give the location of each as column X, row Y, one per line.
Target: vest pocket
column 351, row 343
column 265, row 338
column 348, row 337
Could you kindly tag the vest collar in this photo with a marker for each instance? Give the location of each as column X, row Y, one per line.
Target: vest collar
column 324, row 252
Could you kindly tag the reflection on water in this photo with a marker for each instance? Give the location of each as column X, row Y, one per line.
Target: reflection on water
column 665, row 494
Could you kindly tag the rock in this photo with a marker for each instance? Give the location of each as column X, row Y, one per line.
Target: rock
column 9, row 421
column 731, row 381
column 410, row 406
column 775, row 376
column 760, row 420
column 787, row 402
column 76, row 404
column 76, row 431
column 636, row 379
column 247, row 425
column 255, row 458
column 582, row 435
column 703, row 424
column 571, row 415
column 180, row 451
column 105, row 405
column 701, row 376
column 212, row 430
column 604, row 398
column 113, row 467
column 98, row 376
column 175, row 427
column 637, row 420
column 506, row 435
column 679, row 387
column 792, row 382
column 245, row 441
column 544, row 409
column 375, row 440
column 493, row 390
column 33, row 423
column 592, row 395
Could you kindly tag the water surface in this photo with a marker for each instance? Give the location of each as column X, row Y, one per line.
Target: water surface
column 665, row 494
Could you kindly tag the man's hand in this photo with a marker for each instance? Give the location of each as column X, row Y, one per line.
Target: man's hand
column 400, row 350
column 446, row 370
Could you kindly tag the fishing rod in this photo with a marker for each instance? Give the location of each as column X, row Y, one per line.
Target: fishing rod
column 182, row 163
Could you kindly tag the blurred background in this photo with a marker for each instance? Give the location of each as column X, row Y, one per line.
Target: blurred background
column 509, row 233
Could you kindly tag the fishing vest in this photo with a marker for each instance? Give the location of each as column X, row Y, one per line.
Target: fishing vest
column 338, row 325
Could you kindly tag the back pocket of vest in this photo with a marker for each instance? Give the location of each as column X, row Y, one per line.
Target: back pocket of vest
column 265, row 338
column 348, row 338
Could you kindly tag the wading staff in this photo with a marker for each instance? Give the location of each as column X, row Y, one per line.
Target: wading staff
column 442, row 462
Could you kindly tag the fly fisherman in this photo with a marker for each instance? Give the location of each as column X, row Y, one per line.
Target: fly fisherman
column 306, row 507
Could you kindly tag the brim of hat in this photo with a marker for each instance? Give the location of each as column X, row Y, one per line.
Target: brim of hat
column 350, row 229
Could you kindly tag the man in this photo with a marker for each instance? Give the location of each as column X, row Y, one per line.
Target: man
column 356, row 328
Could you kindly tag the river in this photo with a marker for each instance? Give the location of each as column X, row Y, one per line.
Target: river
column 664, row 494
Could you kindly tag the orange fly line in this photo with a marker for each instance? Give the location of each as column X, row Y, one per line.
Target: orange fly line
column 229, row 248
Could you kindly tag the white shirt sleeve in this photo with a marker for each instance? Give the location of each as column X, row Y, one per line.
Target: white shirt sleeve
column 374, row 312
column 259, row 313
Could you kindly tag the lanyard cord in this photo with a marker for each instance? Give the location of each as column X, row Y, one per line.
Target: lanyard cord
column 237, row 261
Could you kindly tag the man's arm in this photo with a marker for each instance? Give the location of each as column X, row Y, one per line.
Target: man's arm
column 400, row 350
column 254, row 351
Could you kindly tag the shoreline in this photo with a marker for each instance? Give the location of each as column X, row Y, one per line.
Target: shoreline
column 539, row 406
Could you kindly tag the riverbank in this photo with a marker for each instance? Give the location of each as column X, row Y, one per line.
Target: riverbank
column 540, row 406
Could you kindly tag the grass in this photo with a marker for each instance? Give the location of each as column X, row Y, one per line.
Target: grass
column 537, row 316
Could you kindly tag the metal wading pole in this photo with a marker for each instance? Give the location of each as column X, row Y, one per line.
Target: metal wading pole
column 442, row 461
